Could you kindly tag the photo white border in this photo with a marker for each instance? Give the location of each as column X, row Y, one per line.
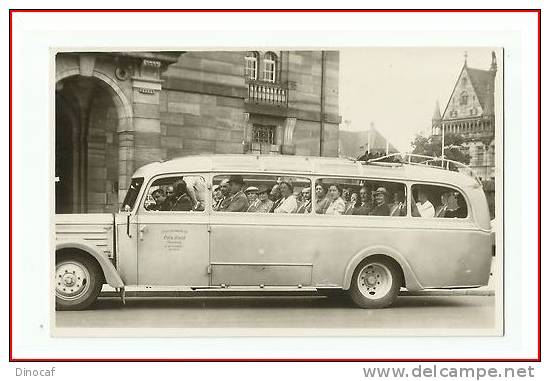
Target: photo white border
column 35, row 34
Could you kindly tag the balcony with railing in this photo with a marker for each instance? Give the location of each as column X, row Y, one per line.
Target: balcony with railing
column 262, row 92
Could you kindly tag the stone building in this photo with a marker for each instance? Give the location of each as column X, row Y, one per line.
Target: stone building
column 470, row 112
column 353, row 144
column 118, row 111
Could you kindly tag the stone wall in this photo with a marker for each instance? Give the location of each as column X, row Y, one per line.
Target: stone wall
column 202, row 104
column 304, row 100
column 102, row 179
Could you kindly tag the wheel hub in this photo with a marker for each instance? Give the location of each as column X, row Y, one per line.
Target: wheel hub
column 71, row 280
column 68, row 280
column 375, row 281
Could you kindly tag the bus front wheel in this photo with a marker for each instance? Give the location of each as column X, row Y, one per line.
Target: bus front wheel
column 78, row 281
column 375, row 282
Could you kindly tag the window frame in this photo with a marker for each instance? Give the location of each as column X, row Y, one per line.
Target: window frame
column 139, row 194
column 141, row 207
column 443, row 185
column 272, row 131
column 271, row 59
column 251, row 57
column 246, row 173
column 464, row 98
column 405, row 184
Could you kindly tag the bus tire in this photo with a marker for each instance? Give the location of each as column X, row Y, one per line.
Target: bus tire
column 375, row 282
column 78, row 281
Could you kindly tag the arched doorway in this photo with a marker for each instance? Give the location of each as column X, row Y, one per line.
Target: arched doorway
column 86, row 146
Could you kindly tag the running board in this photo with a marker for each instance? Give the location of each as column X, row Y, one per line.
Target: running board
column 178, row 291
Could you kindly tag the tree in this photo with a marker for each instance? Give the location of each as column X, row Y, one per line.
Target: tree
column 431, row 146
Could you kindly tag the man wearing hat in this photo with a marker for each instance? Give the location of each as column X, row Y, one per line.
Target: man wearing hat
column 381, row 207
column 237, row 201
column 263, row 204
column 252, row 195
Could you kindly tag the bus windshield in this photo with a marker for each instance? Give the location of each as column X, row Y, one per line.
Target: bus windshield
column 132, row 194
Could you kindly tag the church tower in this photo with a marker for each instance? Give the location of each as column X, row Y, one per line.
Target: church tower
column 436, row 120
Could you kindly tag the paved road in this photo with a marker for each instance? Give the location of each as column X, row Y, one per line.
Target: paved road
column 409, row 312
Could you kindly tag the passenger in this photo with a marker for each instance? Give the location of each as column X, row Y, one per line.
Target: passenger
column 170, row 191
column 305, row 206
column 364, row 206
column 216, row 194
column 223, row 201
column 336, row 204
column 425, row 207
column 399, row 207
column 353, row 201
column 237, row 201
column 444, row 207
column 461, row 211
column 288, row 203
column 161, row 201
column 252, row 196
column 275, row 196
column 346, row 194
column 381, row 207
column 196, row 189
column 264, row 203
column 321, row 200
column 182, row 200
column 298, row 195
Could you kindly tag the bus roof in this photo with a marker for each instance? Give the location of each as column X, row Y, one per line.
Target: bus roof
column 306, row 165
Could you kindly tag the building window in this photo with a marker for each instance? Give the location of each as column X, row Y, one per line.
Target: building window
column 473, row 111
column 479, row 155
column 270, row 67
column 251, row 65
column 464, row 98
column 263, row 134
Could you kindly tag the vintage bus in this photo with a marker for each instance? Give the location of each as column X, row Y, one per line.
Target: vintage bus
column 305, row 224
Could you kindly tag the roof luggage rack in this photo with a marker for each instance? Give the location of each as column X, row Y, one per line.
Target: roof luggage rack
column 431, row 161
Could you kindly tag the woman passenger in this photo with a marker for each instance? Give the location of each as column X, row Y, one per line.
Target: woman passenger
column 381, row 207
column 264, row 204
column 321, row 200
column 336, row 204
column 352, row 204
column 288, row 203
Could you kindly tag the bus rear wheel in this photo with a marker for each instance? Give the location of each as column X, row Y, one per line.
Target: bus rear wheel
column 78, row 282
column 375, row 283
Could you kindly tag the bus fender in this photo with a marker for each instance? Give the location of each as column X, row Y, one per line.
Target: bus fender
column 411, row 282
column 111, row 275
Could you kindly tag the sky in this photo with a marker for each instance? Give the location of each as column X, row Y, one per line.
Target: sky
column 397, row 88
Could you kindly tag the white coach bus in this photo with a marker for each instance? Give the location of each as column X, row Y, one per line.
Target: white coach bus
column 281, row 223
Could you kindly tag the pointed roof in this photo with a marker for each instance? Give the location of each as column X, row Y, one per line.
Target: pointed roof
column 437, row 112
column 481, row 80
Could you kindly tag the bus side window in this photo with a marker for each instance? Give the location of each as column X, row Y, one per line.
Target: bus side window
column 360, row 197
column 436, row 201
column 176, row 193
column 250, row 193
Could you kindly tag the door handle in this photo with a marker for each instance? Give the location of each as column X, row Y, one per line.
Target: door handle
column 142, row 229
